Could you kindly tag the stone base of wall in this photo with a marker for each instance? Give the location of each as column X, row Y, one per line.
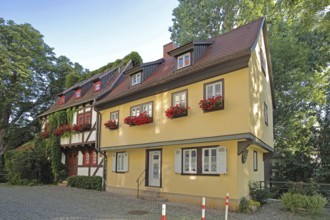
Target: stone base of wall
column 211, row 202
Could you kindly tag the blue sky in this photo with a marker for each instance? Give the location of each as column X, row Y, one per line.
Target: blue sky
column 95, row 32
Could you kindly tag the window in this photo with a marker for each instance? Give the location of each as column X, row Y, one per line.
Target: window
column 263, row 62
column 190, row 161
column 209, row 161
column 266, row 113
column 184, row 60
column 201, row 161
column 86, row 160
column 78, row 93
column 179, row 98
column 90, row 158
column 145, row 108
column 114, row 116
column 84, row 118
column 97, row 86
column 214, row 89
column 93, row 160
column 120, row 162
column 136, row 79
column 255, row 160
column 62, row 99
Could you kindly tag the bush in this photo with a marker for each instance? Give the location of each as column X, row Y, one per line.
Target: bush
column 86, row 182
column 296, row 201
column 244, row 205
column 258, row 194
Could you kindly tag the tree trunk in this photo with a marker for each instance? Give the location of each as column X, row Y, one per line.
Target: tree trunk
column 2, row 144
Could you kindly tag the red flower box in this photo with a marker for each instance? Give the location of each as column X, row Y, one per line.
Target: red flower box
column 43, row 135
column 142, row 119
column 111, row 124
column 81, row 127
column 176, row 111
column 211, row 104
column 62, row 129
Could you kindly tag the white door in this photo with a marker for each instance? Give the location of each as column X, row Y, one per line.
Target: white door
column 154, row 168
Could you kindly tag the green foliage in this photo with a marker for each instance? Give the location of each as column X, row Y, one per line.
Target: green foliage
column 30, row 78
column 244, row 205
column 72, row 79
column 70, row 114
column 28, row 167
column 86, row 182
column 296, row 201
column 53, row 150
column 134, row 56
column 259, row 194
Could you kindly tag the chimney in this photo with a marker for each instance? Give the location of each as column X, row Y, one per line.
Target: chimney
column 168, row 47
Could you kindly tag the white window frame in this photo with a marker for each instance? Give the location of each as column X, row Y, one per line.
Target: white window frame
column 136, row 78
column 255, row 161
column 120, row 162
column 210, row 160
column 114, row 116
column 212, row 86
column 191, row 162
column 266, row 113
column 179, row 98
column 146, row 107
column 183, row 57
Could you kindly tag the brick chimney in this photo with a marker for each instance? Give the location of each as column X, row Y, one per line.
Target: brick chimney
column 168, row 47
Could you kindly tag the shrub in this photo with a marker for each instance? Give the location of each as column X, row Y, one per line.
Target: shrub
column 258, row 194
column 244, row 205
column 85, row 182
column 296, row 201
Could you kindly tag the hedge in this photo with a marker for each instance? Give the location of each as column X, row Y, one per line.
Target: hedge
column 86, row 182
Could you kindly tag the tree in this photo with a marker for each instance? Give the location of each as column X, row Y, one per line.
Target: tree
column 298, row 33
column 30, row 78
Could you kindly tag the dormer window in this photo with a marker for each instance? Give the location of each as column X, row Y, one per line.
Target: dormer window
column 97, row 86
column 62, row 99
column 136, row 79
column 184, row 60
column 78, row 94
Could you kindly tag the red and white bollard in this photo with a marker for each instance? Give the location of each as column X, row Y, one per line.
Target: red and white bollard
column 163, row 212
column 203, row 208
column 227, row 203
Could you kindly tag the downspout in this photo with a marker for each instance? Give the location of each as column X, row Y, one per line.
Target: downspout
column 97, row 143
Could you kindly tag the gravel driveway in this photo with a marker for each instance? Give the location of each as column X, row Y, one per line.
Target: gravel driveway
column 55, row 202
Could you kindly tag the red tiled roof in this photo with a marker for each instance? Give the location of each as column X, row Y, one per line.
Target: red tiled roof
column 226, row 47
column 89, row 95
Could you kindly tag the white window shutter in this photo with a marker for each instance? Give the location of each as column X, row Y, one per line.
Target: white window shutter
column 113, row 162
column 177, row 161
column 126, row 162
column 221, row 160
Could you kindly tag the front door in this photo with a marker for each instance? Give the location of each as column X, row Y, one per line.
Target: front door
column 72, row 162
column 154, row 169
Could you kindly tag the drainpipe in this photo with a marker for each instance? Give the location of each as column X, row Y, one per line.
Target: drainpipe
column 97, row 143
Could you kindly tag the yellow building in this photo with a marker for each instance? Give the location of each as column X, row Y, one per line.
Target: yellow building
column 196, row 123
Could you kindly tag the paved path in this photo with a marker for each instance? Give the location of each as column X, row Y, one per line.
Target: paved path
column 59, row 203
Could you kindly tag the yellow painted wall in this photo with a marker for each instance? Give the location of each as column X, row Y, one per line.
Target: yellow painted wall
column 260, row 92
column 246, row 173
column 198, row 185
column 234, row 119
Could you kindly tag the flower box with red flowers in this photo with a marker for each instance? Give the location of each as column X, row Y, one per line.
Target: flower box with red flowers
column 111, row 124
column 211, row 104
column 44, row 135
column 176, row 111
column 81, row 127
column 62, row 129
column 141, row 119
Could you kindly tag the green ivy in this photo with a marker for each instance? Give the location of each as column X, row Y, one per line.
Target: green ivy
column 54, row 153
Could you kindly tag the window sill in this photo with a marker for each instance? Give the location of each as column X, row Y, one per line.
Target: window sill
column 214, row 109
column 198, row 174
column 179, row 116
